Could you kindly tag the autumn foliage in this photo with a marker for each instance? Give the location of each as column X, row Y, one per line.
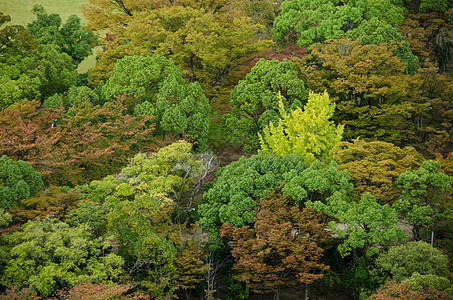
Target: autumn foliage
column 80, row 145
column 283, row 247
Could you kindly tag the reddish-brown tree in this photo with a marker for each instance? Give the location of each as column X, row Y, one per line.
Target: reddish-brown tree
column 85, row 143
column 282, row 249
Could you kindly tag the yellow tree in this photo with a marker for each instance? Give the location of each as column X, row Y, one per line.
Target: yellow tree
column 309, row 132
column 375, row 165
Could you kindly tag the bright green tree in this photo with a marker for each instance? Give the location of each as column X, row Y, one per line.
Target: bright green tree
column 156, row 87
column 51, row 255
column 425, row 196
column 18, row 181
column 308, row 132
column 307, row 22
column 145, row 208
column 254, row 101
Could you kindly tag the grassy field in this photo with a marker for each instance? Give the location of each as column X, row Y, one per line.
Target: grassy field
column 20, row 12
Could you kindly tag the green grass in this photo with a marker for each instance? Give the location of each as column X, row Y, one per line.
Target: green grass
column 20, row 13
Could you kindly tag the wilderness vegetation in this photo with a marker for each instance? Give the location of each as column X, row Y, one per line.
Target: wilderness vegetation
column 228, row 149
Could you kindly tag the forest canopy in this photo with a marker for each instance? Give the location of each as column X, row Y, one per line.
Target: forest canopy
column 229, row 149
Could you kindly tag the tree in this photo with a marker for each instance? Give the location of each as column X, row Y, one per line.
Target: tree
column 432, row 114
column 36, row 75
column 5, row 218
column 430, row 281
column 81, row 93
column 49, row 255
column 308, row 132
column 71, row 38
column 371, row 85
column 144, row 240
column 254, row 101
column 283, row 248
column 289, row 52
column 15, row 39
column 173, row 172
column 374, row 166
column 59, row 72
column 401, row 262
column 424, row 196
column 157, row 88
column 434, row 5
column 18, row 181
column 309, row 22
column 101, row 291
column 369, row 226
column 377, row 32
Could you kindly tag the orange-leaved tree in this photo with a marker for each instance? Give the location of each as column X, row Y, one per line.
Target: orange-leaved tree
column 282, row 249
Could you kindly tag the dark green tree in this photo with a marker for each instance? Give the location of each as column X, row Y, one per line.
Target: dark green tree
column 18, row 181
column 425, row 197
column 255, row 100
column 154, row 86
column 71, row 38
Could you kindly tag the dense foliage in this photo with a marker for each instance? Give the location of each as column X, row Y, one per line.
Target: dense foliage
column 228, row 148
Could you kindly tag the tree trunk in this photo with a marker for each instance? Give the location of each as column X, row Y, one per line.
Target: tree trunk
column 307, row 291
column 277, row 293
